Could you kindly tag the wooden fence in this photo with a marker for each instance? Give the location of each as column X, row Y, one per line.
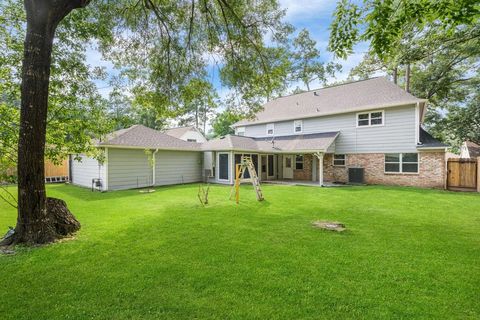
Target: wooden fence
column 56, row 173
column 463, row 174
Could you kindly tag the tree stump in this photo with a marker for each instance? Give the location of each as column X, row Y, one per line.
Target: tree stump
column 59, row 223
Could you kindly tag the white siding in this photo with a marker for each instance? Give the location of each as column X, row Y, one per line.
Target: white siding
column 175, row 167
column 128, row 168
column 85, row 170
column 193, row 135
column 396, row 135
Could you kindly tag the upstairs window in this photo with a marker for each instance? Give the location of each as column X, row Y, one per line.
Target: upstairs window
column 401, row 162
column 298, row 126
column 299, row 162
column 270, row 129
column 369, row 119
column 240, row 131
column 339, row 160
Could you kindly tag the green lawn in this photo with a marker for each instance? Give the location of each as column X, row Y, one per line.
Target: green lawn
column 408, row 253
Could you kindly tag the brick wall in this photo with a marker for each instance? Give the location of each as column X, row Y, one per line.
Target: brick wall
column 306, row 173
column 432, row 170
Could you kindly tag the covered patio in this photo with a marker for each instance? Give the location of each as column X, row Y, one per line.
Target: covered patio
column 296, row 159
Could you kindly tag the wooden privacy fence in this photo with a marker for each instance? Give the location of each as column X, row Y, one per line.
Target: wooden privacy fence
column 56, row 173
column 463, row 174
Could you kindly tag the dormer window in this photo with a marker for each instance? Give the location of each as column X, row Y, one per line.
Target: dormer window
column 240, row 131
column 370, row 119
column 298, row 126
column 270, row 129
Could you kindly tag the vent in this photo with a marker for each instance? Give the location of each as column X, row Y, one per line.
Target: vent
column 355, row 175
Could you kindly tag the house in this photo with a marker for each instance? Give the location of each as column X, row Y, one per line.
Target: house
column 469, row 150
column 190, row 133
column 319, row 135
column 140, row 157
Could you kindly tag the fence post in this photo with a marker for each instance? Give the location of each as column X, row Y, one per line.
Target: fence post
column 478, row 174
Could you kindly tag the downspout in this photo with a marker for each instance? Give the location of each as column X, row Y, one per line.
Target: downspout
column 154, row 165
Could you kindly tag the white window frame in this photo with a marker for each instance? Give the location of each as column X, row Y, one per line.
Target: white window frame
column 295, row 126
column 370, row 119
column 270, row 126
column 241, row 131
column 400, row 163
column 344, row 160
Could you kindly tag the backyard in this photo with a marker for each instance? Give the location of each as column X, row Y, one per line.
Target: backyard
column 407, row 253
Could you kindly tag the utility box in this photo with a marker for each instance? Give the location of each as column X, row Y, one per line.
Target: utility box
column 356, row 175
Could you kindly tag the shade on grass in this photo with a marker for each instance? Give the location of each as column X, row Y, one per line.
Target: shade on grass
column 407, row 253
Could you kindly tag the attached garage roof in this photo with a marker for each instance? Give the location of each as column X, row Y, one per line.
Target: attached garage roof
column 139, row 136
column 296, row 143
column 349, row 97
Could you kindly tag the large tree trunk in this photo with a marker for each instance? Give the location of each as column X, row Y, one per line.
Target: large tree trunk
column 35, row 225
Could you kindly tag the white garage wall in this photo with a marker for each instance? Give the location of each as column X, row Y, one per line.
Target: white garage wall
column 128, row 169
column 85, row 170
column 175, row 167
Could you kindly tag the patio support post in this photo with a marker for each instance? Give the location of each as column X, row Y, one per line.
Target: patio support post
column 320, row 155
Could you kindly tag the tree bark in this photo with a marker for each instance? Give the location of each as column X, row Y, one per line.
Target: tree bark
column 407, row 78
column 34, row 224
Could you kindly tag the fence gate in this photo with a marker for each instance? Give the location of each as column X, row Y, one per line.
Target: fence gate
column 462, row 174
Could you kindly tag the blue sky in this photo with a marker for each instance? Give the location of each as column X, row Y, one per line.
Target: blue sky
column 314, row 15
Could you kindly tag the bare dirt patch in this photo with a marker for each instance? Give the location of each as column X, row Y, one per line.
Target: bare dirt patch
column 330, row 225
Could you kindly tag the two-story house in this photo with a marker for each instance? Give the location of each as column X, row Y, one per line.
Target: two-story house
column 318, row 135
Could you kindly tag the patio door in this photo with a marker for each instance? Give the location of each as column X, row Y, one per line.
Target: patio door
column 264, row 167
column 288, row 166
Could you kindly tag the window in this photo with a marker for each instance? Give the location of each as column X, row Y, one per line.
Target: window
column 401, row 162
column 192, row 140
column 299, row 162
column 240, row 131
column 298, row 126
column 369, row 119
column 270, row 165
column 339, row 160
column 223, row 166
column 270, row 130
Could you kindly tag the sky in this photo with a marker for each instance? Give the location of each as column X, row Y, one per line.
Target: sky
column 314, row 15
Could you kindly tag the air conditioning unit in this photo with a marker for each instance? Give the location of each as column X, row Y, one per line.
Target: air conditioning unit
column 209, row 173
column 356, row 175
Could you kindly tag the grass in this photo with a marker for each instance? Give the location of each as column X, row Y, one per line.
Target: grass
column 408, row 253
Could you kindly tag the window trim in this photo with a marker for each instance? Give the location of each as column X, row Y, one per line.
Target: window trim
column 241, row 130
column 344, row 160
column 401, row 162
column 370, row 119
column 267, row 127
column 295, row 126
column 302, row 162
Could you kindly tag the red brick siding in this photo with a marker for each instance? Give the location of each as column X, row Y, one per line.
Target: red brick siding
column 306, row 173
column 432, row 171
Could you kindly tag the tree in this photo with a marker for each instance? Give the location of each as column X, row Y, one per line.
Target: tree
column 159, row 44
column 441, row 65
column 222, row 123
column 306, row 65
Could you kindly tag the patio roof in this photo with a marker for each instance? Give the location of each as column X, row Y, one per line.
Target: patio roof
column 318, row 142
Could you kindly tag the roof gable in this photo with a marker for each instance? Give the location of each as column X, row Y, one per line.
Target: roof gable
column 143, row 137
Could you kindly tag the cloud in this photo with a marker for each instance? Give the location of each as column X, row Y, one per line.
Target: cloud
column 307, row 9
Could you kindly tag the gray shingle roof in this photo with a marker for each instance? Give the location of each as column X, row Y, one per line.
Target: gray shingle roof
column 428, row 141
column 349, row 97
column 297, row 143
column 143, row 137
